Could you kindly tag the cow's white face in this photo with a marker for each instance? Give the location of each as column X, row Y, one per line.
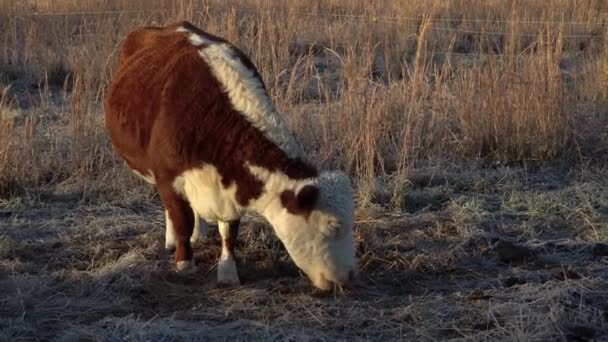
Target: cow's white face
column 321, row 241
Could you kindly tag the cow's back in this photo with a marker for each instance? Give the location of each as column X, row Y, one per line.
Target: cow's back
column 157, row 100
column 182, row 99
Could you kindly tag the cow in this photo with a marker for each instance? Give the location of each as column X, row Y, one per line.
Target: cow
column 189, row 112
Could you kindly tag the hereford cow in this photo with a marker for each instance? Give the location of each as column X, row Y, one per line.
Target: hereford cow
column 189, row 112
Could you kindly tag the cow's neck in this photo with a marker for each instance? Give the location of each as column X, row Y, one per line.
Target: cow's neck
column 291, row 175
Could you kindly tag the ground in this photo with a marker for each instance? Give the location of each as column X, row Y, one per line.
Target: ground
column 477, row 253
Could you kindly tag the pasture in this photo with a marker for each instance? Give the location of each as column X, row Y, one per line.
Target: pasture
column 474, row 132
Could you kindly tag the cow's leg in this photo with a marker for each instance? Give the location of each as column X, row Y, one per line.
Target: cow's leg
column 181, row 219
column 199, row 232
column 169, row 233
column 226, row 267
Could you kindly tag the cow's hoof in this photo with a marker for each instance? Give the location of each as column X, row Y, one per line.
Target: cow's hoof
column 198, row 235
column 197, row 239
column 186, row 267
column 226, row 273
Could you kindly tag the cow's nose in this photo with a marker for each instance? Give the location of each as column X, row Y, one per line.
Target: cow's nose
column 347, row 279
column 343, row 279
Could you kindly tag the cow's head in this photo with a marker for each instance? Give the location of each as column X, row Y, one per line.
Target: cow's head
column 315, row 223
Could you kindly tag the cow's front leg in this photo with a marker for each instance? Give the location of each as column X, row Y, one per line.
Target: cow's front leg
column 226, row 267
column 180, row 222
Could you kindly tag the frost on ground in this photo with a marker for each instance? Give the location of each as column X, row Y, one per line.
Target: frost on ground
column 475, row 254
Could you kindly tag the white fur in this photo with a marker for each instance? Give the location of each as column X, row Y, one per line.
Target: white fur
column 195, row 39
column 203, row 188
column 169, row 232
column 198, row 41
column 248, row 96
column 226, row 267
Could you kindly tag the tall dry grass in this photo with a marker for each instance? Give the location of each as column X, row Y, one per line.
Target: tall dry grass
column 372, row 88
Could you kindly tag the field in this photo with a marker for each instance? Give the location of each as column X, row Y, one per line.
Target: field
column 474, row 132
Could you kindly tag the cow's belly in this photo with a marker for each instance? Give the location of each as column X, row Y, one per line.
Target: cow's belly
column 207, row 196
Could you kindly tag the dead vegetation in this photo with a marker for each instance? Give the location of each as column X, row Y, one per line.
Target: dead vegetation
column 503, row 81
column 474, row 132
column 503, row 255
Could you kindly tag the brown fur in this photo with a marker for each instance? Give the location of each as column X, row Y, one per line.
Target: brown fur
column 167, row 113
column 301, row 204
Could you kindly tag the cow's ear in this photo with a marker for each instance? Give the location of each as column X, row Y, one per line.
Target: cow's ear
column 307, row 197
column 302, row 203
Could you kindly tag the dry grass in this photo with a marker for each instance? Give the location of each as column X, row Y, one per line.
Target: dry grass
column 499, row 254
column 524, row 82
column 450, row 116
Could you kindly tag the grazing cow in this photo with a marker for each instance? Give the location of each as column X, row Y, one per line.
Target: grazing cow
column 189, row 112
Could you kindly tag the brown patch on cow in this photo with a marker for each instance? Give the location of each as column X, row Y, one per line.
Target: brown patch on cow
column 301, row 204
column 167, row 113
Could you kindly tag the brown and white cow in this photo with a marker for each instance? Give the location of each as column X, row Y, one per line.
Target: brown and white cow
column 190, row 113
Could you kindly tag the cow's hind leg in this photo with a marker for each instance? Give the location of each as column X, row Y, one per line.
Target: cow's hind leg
column 180, row 217
column 226, row 267
column 199, row 232
column 169, row 233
